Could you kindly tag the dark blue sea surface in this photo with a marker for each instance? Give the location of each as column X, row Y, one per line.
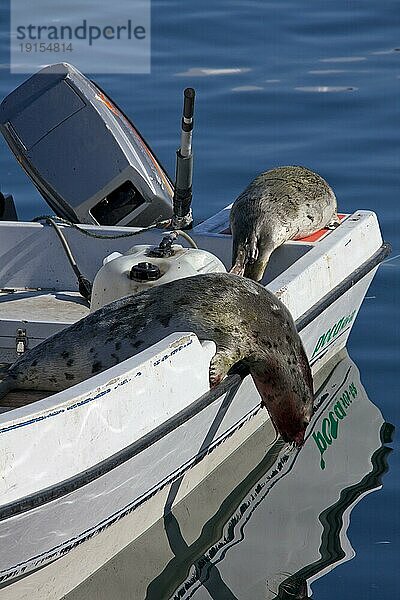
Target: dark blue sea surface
column 305, row 82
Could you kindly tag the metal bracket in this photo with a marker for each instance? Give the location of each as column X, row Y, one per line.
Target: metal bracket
column 21, row 341
column 164, row 249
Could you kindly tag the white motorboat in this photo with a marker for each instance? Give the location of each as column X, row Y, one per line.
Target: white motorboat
column 257, row 493
column 77, row 463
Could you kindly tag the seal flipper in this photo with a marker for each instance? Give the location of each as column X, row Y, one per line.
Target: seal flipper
column 220, row 364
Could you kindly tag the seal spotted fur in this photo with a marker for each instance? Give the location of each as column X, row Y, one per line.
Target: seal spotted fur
column 247, row 323
column 281, row 204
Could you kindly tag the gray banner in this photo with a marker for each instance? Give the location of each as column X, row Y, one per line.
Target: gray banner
column 97, row 36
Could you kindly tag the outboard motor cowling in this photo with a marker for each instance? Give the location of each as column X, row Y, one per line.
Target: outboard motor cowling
column 83, row 154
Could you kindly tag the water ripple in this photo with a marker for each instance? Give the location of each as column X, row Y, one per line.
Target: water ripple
column 247, row 88
column 209, row 72
column 343, row 59
column 324, row 89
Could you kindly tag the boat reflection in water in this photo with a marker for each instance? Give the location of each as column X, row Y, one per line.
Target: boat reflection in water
column 262, row 525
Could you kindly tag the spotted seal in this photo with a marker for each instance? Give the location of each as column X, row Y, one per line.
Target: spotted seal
column 247, row 323
column 279, row 205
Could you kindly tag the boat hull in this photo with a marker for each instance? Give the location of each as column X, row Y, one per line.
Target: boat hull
column 130, row 442
column 72, row 567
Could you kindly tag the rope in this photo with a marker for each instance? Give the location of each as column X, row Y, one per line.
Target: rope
column 51, row 219
column 157, row 224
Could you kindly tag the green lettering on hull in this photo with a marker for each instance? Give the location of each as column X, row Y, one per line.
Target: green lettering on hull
column 332, row 332
column 330, row 424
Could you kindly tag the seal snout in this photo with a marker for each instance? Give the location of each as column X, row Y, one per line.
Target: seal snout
column 292, row 430
column 296, row 438
column 290, row 409
column 250, row 257
column 245, row 250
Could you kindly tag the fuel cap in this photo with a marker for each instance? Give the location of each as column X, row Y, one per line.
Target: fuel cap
column 145, row 271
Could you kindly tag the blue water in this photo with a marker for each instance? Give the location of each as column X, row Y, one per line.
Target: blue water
column 285, row 82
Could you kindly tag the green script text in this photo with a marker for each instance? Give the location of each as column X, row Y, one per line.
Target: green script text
column 333, row 332
column 330, row 425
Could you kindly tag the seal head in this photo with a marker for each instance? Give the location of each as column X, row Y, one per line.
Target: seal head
column 247, row 323
column 286, row 392
column 281, row 204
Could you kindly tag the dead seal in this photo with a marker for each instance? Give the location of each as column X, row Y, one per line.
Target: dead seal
column 279, row 205
column 247, row 323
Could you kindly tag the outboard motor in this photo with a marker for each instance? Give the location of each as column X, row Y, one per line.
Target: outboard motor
column 83, row 154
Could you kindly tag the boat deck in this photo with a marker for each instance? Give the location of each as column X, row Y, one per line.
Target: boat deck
column 42, row 306
column 35, row 314
column 38, row 308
